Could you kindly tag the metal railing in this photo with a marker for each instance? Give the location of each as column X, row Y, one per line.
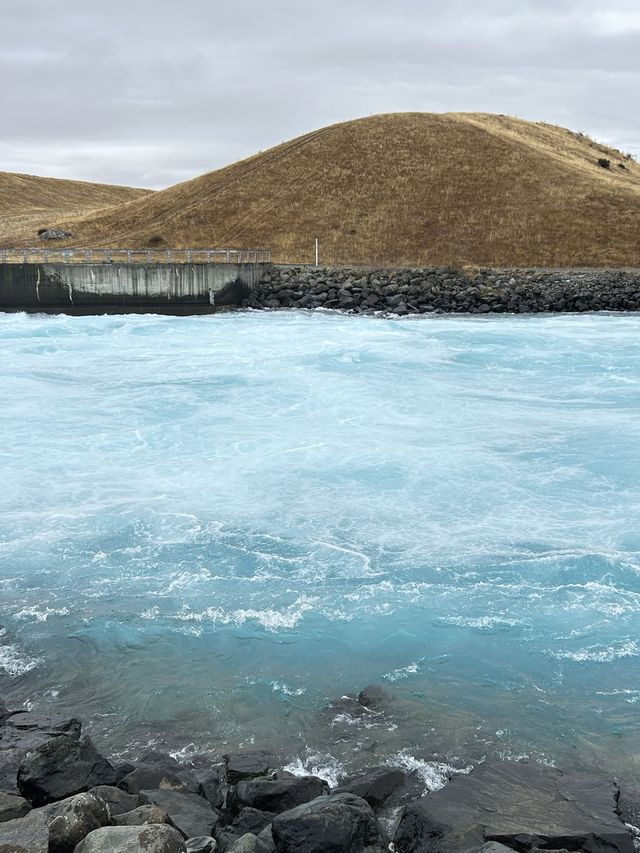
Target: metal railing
column 134, row 256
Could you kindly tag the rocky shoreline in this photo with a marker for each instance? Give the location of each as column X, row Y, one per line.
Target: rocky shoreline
column 443, row 290
column 59, row 794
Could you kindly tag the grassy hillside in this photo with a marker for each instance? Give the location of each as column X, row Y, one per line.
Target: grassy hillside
column 28, row 203
column 404, row 189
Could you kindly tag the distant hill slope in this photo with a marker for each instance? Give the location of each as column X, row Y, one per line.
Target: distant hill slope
column 28, row 202
column 405, row 189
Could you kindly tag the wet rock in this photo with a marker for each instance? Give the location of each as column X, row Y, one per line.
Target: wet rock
column 191, row 814
column 52, row 724
column 141, row 816
column 224, row 838
column 212, row 785
column 133, row 839
column 123, row 768
column 374, row 697
column 60, row 768
column 342, row 823
column 248, row 844
column 157, row 770
column 5, row 713
column 202, row 844
column 375, row 786
column 27, row 834
column 266, row 836
column 246, row 765
column 251, row 820
column 73, row 819
column 279, row 795
column 117, row 800
column 12, row 807
column 15, row 744
column 520, row 805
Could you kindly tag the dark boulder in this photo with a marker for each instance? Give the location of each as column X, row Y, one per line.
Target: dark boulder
column 374, row 697
column 5, row 713
column 118, row 801
column 73, row 819
column 201, row 844
column 342, row 823
column 123, row 768
column 224, row 837
column 246, row 765
column 157, row 770
column 191, row 814
column 375, row 786
column 279, row 795
column 12, row 807
column 158, row 838
column 520, row 805
column 141, row 816
column 266, row 836
column 51, row 724
column 25, row 834
column 15, row 743
column 145, row 777
column 248, row 843
column 251, row 820
column 212, row 785
column 60, row 768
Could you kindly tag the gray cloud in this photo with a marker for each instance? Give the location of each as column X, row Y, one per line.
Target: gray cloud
column 152, row 93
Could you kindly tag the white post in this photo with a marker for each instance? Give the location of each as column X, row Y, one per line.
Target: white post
column 317, row 253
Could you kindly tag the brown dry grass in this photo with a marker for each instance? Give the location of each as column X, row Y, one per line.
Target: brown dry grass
column 404, row 189
column 28, row 203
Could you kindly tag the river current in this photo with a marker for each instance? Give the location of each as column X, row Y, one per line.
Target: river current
column 212, row 528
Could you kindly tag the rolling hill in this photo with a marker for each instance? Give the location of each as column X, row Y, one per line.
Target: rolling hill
column 403, row 189
column 28, row 203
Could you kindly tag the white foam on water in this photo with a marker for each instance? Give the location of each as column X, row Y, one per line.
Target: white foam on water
column 434, row 774
column 600, row 654
column 270, row 619
column 481, row 623
column 40, row 614
column 13, row 661
column 404, row 671
column 321, row 764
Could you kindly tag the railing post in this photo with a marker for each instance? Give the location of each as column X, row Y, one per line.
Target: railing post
column 128, row 256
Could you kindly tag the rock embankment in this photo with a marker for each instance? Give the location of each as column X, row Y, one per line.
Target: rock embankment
column 59, row 794
column 441, row 290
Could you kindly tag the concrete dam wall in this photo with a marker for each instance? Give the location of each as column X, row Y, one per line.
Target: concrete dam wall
column 163, row 288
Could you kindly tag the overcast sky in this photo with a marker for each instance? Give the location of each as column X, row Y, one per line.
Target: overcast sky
column 151, row 93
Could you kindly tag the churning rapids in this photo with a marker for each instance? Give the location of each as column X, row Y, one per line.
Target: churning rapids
column 212, row 527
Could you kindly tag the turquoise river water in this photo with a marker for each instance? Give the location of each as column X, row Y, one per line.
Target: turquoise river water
column 212, row 528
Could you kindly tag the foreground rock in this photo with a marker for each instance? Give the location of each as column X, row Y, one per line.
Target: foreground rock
column 157, row 770
column 279, row 795
column 22, row 733
column 133, row 839
column 118, row 801
column 141, row 816
column 12, row 807
column 375, row 786
column 60, row 768
column 523, row 806
column 25, row 834
column 71, row 820
column 342, row 823
column 190, row 814
column 246, row 765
